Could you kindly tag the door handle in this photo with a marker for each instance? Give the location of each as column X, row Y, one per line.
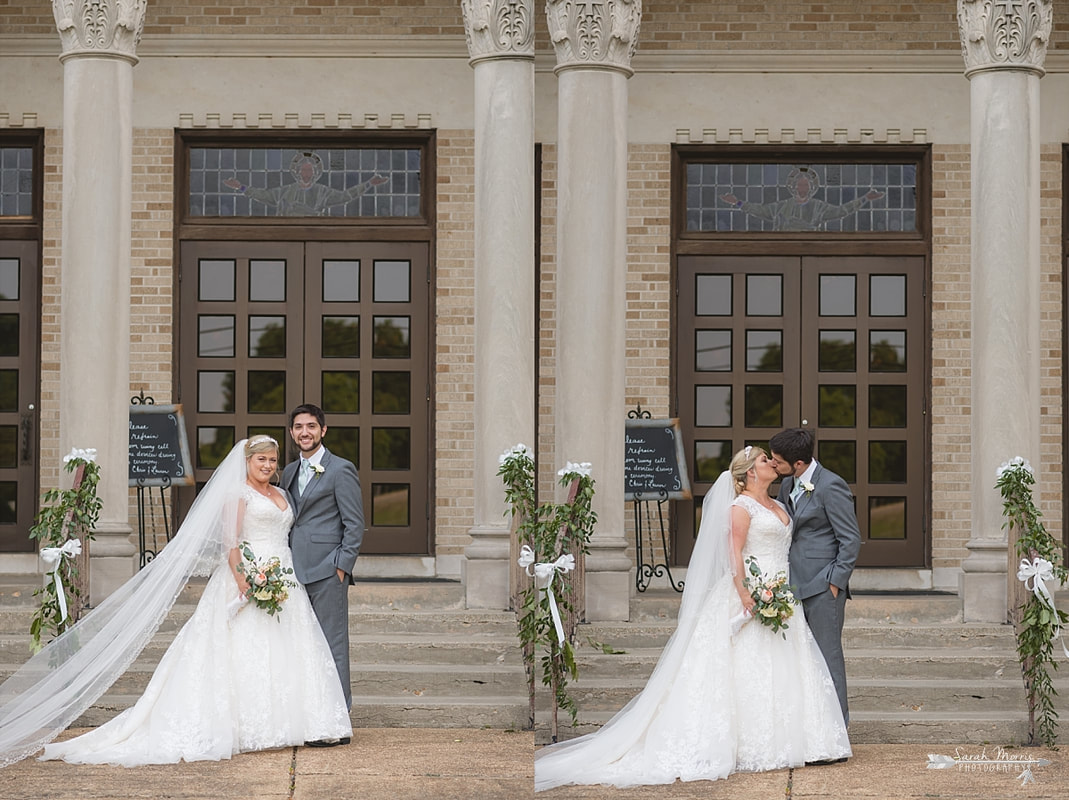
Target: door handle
column 26, row 438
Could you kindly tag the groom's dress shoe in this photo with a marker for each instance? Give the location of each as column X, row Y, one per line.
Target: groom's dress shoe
column 825, row 761
column 328, row 742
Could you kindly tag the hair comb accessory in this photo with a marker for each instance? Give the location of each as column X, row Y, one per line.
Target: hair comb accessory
column 746, row 452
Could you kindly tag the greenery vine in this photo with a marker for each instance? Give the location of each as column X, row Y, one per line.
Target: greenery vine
column 552, row 532
column 1039, row 621
column 66, row 515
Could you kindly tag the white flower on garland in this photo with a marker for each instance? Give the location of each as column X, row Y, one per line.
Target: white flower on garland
column 1014, row 463
column 86, row 455
column 582, row 469
column 516, row 451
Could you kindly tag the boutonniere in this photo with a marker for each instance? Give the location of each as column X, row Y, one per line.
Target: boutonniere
column 318, row 469
column 807, row 487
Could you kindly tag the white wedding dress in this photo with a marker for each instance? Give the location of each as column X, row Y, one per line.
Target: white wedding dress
column 717, row 703
column 229, row 683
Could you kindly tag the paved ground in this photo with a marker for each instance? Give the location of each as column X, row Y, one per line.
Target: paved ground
column 386, row 763
column 887, row 772
column 451, row 764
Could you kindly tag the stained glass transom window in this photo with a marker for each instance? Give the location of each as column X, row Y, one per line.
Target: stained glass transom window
column 16, row 181
column 287, row 182
column 867, row 198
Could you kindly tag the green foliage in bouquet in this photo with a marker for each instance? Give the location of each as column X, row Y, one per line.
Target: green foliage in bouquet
column 551, row 533
column 773, row 597
column 67, row 517
column 1039, row 621
column 268, row 584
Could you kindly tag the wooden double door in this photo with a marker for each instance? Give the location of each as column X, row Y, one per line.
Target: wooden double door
column 266, row 326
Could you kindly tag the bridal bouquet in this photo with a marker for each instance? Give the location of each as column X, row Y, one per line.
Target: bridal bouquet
column 268, row 585
column 774, row 598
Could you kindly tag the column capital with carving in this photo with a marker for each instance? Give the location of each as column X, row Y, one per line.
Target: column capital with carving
column 594, row 34
column 1004, row 34
column 100, row 27
column 499, row 29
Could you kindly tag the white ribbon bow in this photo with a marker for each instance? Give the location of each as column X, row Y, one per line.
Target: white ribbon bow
column 1039, row 570
column 543, row 572
column 53, row 558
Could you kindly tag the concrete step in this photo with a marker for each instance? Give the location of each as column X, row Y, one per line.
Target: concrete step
column 867, row 727
column 371, row 711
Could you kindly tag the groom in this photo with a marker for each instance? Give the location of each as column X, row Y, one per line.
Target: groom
column 327, row 531
column 824, row 545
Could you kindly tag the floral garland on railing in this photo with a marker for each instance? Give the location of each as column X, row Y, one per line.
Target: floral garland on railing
column 1040, row 622
column 551, row 535
column 68, row 515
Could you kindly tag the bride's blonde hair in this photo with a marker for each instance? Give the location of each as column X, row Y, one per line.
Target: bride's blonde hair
column 742, row 463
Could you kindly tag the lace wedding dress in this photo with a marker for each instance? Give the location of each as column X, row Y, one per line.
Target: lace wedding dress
column 718, row 702
column 230, row 682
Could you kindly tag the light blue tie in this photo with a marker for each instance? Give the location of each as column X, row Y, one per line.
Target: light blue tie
column 796, row 491
column 304, row 475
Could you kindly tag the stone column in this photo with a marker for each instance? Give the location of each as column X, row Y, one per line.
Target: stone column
column 1004, row 44
column 594, row 42
column 99, row 38
column 500, row 36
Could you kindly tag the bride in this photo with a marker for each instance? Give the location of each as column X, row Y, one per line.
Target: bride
column 235, row 678
column 722, row 698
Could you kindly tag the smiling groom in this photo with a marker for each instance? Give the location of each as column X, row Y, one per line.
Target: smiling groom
column 824, row 544
column 327, row 531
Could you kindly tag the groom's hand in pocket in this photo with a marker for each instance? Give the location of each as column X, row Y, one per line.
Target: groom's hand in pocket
column 341, row 575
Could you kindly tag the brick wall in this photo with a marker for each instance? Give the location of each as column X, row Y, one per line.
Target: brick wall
column 832, row 25
column 1051, row 322
column 454, row 388
column 51, row 246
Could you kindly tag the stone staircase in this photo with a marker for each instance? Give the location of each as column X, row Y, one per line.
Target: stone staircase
column 419, row 658
column 916, row 673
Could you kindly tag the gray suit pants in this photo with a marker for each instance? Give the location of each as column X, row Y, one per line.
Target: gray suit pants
column 330, row 601
column 825, row 615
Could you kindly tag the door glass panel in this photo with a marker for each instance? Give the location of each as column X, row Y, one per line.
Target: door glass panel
column 389, row 504
column 887, row 295
column 341, row 281
column 887, row 351
column 764, row 295
column 764, row 406
column 9, row 279
column 837, row 406
column 392, row 337
column 390, row 393
column 215, row 392
column 8, row 439
column 839, row 457
column 712, row 406
column 267, row 281
column 16, row 181
column 9, row 335
column 887, row 406
column 887, row 462
column 392, row 282
column 712, row 351
column 838, row 351
column 341, row 391
column 838, row 295
column 213, row 444
column 217, row 280
column 764, row 351
column 713, row 295
column 279, row 434
column 9, row 390
column 341, row 337
column 267, row 392
column 346, row 443
column 887, row 518
column 710, row 459
column 391, row 448
column 215, row 335
column 9, row 506
column 267, row 336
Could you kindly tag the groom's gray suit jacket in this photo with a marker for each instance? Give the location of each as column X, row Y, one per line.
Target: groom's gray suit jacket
column 826, row 539
column 328, row 525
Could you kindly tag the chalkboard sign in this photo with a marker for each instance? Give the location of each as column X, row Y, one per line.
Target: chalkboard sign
column 159, row 454
column 654, row 461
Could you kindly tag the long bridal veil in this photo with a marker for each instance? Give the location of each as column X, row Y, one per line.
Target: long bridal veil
column 53, row 688
column 567, row 762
